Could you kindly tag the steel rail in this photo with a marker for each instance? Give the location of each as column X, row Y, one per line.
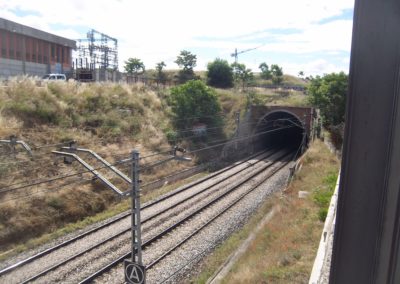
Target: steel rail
column 233, row 203
column 182, row 221
column 125, row 231
column 126, row 214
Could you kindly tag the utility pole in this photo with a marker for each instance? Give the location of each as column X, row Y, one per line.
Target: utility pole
column 237, row 122
column 134, row 270
column 237, row 128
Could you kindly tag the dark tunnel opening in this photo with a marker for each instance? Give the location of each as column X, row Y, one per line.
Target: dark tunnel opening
column 279, row 129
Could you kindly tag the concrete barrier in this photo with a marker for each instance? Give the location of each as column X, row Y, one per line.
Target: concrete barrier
column 320, row 271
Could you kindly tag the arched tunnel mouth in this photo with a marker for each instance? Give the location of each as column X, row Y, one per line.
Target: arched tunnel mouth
column 279, row 129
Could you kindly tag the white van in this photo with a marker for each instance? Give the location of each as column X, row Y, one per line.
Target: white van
column 54, row 77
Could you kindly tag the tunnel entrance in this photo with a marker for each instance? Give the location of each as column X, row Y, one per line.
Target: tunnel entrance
column 279, row 129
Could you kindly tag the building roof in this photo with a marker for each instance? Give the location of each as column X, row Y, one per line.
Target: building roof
column 35, row 33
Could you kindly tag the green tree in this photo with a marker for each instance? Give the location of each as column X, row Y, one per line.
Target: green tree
column 277, row 74
column 242, row 74
column 219, row 74
column 187, row 61
column 328, row 93
column 265, row 72
column 194, row 102
column 160, row 75
column 134, row 66
column 301, row 74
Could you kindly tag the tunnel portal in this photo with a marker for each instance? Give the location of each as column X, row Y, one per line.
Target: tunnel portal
column 279, row 129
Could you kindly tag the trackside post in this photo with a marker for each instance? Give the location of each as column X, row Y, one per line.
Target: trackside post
column 134, row 270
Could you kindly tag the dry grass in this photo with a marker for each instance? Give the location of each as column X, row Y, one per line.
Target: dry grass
column 60, row 202
column 284, row 250
column 288, row 80
column 111, row 119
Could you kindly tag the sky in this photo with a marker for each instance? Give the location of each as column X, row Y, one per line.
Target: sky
column 313, row 36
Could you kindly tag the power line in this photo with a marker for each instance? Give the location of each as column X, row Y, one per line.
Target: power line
column 38, row 182
column 226, row 141
column 239, row 139
column 29, row 194
column 203, row 116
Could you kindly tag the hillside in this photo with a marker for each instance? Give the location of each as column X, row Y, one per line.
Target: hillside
column 108, row 118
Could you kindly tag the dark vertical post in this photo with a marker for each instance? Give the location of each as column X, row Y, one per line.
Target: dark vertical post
column 135, row 197
column 237, row 128
column 366, row 243
column 237, row 122
column 13, row 143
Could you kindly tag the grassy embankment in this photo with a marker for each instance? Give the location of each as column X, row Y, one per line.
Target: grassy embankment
column 284, row 249
column 108, row 118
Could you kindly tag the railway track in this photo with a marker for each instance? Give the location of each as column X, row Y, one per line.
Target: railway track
column 173, row 242
column 161, row 217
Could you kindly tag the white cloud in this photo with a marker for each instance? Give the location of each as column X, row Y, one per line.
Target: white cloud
column 316, row 67
column 156, row 30
column 334, row 36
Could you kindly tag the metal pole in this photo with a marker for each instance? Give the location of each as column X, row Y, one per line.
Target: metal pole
column 237, row 127
column 135, row 198
column 237, row 122
column 13, row 142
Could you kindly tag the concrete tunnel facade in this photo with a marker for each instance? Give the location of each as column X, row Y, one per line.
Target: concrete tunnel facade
column 279, row 129
column 264, row 127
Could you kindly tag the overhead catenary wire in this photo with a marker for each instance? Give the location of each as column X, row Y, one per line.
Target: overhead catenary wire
column 38, row 182
column 33, row 148
column 200, row 116
column 237, row 139
column 10, row 187
column 26, row 195
column 185, row 130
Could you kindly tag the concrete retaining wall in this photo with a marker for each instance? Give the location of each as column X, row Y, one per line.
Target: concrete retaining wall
column 321, row 268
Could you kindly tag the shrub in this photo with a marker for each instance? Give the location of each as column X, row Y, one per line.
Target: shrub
column 322, row 213
column 194, row 102
column 56, row 202
column 220, row 74
column 322, row 196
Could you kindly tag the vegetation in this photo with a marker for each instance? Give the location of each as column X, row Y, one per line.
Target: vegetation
column 219, row 74
column 194, row 102
column 242, row 74
column 187, row 61
column 322, row 195
column 277, row 74
column 284, row 249
column 328, row 93
column 265, row 72
column 108, row 118
column 134, row 66
column 111, row 119
column 160, row 75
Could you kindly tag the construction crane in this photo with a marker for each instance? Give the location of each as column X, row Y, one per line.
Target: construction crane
column 236, row 53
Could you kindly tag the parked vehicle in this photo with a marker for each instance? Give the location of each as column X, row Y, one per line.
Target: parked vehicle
column 54, row 77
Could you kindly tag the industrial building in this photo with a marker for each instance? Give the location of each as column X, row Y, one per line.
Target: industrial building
column 25, row 50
